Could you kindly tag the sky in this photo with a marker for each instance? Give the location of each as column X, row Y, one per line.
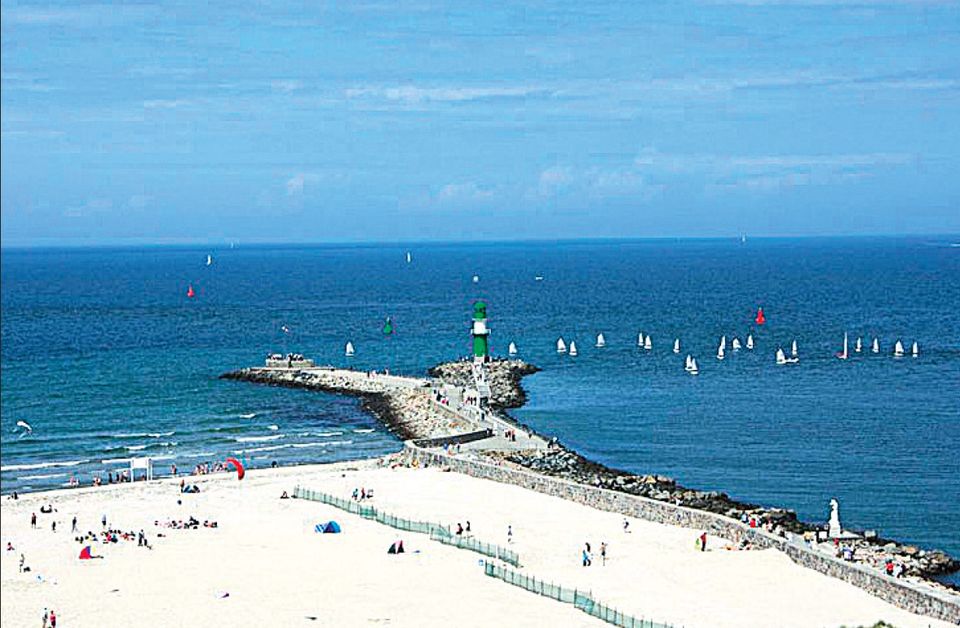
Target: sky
column 392, row 121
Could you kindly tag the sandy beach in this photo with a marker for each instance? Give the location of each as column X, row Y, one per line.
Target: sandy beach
column 264, row 565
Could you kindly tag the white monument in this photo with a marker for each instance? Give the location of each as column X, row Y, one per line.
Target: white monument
column 835, row 530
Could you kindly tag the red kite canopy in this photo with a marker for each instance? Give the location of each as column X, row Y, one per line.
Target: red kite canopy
column 238, row 466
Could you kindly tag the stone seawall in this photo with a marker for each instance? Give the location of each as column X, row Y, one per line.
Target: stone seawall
column 906, row 595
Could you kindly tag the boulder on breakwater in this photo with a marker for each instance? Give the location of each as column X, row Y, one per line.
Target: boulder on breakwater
column 503, row 376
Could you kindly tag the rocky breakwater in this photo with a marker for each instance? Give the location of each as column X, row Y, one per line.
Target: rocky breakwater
column 403, row 405
column 503, row 377
column 564, row 463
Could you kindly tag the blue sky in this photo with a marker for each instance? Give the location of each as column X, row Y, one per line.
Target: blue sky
column 359, row 121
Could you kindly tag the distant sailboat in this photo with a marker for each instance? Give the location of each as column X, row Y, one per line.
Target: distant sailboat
column 476, row 279
column 781, row 357
column 793, row 349
column 743, row 238
column 721, row 350
column 409, row 257
column 561, row 346
column 843, row 355
column 348, row 350
column 694, row 369
column 876, row 346
column 640, row 339
column 676, row 346
column 750, row 342
column 898, row 350
column 209, row 260
column 538, row 278
column 858, row 345
column 735, row 344
column 512, row 349
column 915, row 350
column 190, row 292
column 573, row 348
column 647, row 343
column 601, row 341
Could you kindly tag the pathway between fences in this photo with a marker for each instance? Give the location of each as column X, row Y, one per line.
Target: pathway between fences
column 436, row 531
column 580, row 599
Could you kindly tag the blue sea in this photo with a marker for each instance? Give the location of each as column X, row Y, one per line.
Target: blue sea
column 105, row 356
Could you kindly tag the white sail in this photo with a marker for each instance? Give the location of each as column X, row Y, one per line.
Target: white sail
column 512, row 349
column 688, row 362
column 601, row 341
column 561, row 346
column 348, row 350
column 876, row 346
column 793, row 349
column 409, row 257
column 781, row 357
column 676, row 346
column 640, row 339
column 694, row 369
column 735, row 344
column 573, row 348
column 721, row 350
column 647, row 343
column 209, row 260
column 476, row 279
column 750, row 341
column 915, row 350
column 898, row 349
column 845, row 353
column 858, row 345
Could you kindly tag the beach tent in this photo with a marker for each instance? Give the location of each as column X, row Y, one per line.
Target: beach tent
column 330, row 527
column 86, row 554
column 396, row 548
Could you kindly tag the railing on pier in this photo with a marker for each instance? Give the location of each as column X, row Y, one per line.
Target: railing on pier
column 582, row 600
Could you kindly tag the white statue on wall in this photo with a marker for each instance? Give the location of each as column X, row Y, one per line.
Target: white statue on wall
column 835, row 530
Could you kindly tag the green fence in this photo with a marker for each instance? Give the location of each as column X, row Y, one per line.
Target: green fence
column 487, row 549
column 582, row 600
column 436, row 531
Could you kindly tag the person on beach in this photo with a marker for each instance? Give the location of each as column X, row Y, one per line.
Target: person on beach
column 509, row 534
column 73, row 524
column 703, row 542
column 46, row 617
column 33, row 520
column 586, row 558
column 53, row 619
column 468, row 526
column 603, row 553
column 626, row 526
column 23, row 561
column 459, row 529
column 53, row 526
column 103, row 521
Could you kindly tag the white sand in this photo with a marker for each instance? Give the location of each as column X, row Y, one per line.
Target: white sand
column 278, row 572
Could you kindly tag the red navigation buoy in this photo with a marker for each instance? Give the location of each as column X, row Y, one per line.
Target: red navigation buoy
column 761, row 319
column 190, row 292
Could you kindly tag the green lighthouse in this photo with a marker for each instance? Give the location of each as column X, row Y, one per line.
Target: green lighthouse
column 480, row 332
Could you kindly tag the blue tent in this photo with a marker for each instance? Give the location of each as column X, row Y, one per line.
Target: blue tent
column 330, row 527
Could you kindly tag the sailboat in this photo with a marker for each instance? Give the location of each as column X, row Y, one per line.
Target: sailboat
column 915, row 350
column 750, row 342
column 781, row 357
column 512, row 349
column 735, row 344
column 640, row 339
column 601, row 341
column 561, row 346
column 209, row 260
column 190, row 292
column 647, row 343
column 876, row 346
column 348, row 350
column 676, row 346
column 858, row 345
column 898, row 350
column 843, row 355
column 573, row 348
column 476, row 279
column 409, row 257
column 722, row 348
column 694, row 369
column 793, row 349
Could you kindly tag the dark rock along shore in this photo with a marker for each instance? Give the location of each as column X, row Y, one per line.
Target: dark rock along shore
column 507, row 392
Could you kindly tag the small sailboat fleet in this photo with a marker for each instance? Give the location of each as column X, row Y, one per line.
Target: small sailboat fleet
column 348, row 350
column 676, row 346
column 782, row 358
column 721, row 350
column 561, row 346
column 690, row 366
column 573, row 348
column 512, row 349
column 601, row 341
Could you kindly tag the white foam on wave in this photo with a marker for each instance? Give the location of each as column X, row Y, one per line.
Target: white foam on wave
column 363, row 431
column 324, row 434
column 249, row 415
column 23, row 478
column 136, row 447
column 240, row 452
column 273, row 428
column 144, row 435
column 323, row 443
column 41, row 465
column 257, row 439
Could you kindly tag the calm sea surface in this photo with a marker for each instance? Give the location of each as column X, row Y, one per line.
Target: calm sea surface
column 106, row 357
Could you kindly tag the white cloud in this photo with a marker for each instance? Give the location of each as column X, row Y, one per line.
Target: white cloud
column 297, row 183
column 162, row 103
column 463, row 193
column 286, row 86
column 413, row 95
column 554, row 180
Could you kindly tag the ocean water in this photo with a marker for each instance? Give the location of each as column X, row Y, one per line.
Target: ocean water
column 106, row 357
